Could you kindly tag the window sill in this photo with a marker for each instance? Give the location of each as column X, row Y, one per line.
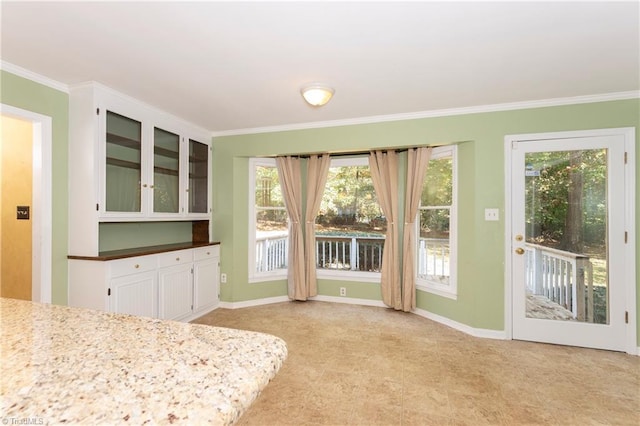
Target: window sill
column 437, row 290
column 267, row 277
column 327, row 274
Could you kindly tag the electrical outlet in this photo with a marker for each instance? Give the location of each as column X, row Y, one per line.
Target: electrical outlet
column 491, row 214
column 343, row 291
column 223, row 278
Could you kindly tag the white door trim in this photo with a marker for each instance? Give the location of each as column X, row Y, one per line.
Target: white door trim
column 630, row 248
column 41, row 213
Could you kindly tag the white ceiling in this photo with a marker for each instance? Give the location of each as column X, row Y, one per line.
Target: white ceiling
column 237, row 65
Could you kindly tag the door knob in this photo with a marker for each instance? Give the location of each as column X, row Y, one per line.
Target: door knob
column 519, row 250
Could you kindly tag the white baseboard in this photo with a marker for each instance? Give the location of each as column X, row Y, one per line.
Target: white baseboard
column 476, row 332
column 349, row 301
column 254, row 302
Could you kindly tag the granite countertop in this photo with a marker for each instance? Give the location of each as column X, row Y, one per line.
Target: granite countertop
column 71, row 365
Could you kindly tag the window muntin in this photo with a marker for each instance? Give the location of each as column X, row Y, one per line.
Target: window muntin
column 350, row 227
column 436, row 245
column 268, row 222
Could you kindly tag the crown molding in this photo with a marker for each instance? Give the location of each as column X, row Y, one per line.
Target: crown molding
column 30, row 75
column 604, row 97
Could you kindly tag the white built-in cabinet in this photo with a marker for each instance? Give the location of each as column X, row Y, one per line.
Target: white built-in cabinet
column 129, row 162
column 176, row 285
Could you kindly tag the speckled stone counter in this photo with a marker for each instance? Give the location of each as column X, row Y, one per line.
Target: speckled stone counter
column 69, row 365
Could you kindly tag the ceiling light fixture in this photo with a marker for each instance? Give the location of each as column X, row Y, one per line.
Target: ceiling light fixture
column 316, row 94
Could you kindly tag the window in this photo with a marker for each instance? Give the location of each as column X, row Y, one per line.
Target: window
column 436, row 251
column 350, row 228
column 268, row 225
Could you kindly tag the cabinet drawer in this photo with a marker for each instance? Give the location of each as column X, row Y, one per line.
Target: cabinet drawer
column 132, row 265
column 177, row 257
column 207, row 252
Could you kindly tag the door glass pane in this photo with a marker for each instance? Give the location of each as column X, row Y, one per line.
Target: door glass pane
column 122, row 187
column 166, row 156
column 198, row 177
column 566, row 267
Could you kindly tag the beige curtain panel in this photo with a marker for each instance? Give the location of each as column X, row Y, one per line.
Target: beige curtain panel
column 384, row 173
column 291, row 182
column 417, row 163
column 317, row 171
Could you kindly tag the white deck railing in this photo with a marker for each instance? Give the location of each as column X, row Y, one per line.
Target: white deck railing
column 433, row 259
column 335, row 252
column 349, row 253
column 271, row 253
column 563, row 277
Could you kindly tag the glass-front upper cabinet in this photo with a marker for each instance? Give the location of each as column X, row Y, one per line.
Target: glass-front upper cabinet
column 123, row 164
column 198, row 177
column 166, row 172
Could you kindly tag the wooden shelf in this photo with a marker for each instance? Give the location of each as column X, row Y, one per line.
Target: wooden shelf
column 123, row 141
column 164, row 152
column 122, row 163
column 164, row 171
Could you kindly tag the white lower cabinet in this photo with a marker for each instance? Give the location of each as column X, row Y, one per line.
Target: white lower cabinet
column 134, row 294
column 175, row 300
column 176, row 285
column 206, row 283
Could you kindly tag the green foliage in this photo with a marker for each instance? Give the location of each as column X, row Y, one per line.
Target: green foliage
column 438, row 183
column 546, row 196
column 349, row 198
column 268, row 190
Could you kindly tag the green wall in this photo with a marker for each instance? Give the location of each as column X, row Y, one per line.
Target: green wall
column 31, row 96
column 480, row 301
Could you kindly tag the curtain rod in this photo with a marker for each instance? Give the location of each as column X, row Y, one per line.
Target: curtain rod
column 351, row 153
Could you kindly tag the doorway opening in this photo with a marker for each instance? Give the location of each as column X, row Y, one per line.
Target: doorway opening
column 40, row 206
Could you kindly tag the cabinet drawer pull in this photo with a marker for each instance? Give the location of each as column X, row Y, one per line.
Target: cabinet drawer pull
column 136, row 266
column 208, row 253
column 144, row 185
column 177, row 259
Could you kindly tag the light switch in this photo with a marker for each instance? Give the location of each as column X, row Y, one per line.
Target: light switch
column 22, row 212
column 492, row 214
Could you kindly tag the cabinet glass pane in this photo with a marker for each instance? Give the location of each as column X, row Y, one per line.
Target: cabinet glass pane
column 122, row 187
column 198, row 176
column 166, row 155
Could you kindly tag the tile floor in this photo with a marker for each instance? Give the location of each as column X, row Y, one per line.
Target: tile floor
column 359, row 365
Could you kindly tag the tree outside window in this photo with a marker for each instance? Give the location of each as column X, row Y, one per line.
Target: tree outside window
column 437, row 217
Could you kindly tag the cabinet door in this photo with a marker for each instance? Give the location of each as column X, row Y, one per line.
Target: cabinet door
column 135, row 294
column 123, row 168
column 198, row 189
column 206, row 282
column 175, row 291
column 166, row 171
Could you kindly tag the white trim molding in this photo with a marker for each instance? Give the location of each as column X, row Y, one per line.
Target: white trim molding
column 42, row 206
column 253, row 302
column 30, row 75
column 349, row 301
column 573, row 100
column 467, row 329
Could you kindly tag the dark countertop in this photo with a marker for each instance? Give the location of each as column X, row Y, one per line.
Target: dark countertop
column 142, row 251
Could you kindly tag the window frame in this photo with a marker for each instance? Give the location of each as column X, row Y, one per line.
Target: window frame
column 255, row 276
column 445, row 290
column 341, row 275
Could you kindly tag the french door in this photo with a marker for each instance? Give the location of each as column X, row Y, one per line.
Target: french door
column 571, row 282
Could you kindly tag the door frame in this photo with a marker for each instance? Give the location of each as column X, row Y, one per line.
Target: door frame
column 41, row 213
column 632, row 346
